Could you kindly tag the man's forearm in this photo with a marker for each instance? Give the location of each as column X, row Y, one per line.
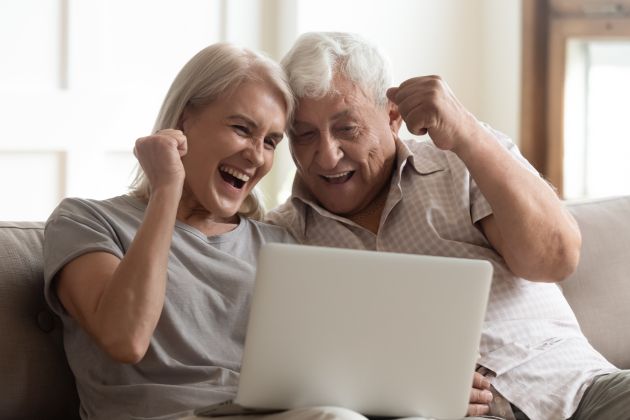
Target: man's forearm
column 537, row 236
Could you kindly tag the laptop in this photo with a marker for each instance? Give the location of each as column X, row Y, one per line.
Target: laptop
column 384, row 334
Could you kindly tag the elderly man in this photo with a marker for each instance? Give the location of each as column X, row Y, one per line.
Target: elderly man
column 466, row 193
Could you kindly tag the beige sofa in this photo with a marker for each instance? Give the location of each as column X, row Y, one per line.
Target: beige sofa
column 36, row 383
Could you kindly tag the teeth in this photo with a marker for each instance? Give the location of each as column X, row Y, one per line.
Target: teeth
column 341, row 175
column 235, row 173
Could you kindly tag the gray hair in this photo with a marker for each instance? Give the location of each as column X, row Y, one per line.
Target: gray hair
column 316, row 57
column 214, row 71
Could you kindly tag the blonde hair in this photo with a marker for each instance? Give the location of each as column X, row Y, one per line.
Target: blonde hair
column 212, row 72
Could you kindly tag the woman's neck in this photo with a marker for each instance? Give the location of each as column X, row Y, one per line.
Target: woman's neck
column 194, row 214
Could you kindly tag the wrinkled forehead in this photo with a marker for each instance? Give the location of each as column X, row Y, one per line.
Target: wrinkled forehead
column 344, row 98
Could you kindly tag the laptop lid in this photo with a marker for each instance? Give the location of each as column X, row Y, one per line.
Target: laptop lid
column 383, row 334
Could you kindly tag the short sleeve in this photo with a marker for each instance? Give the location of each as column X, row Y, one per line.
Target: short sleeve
column 74, row 228
column 289, row 217
column 479, row 206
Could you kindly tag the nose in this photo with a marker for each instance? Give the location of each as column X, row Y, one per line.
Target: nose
column 328, row 153
column 254, row 152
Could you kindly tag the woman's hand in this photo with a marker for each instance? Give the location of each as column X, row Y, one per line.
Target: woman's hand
column 160, row 156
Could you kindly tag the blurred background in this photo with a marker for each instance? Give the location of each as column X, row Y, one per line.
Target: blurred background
column 81, row 80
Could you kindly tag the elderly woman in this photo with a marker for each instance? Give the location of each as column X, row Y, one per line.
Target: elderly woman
column 153, row 287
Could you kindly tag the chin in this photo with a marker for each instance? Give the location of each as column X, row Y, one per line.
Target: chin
column 227, row 213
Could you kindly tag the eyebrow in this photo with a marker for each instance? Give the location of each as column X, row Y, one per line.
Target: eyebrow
column 340, row 114
column 248, row 120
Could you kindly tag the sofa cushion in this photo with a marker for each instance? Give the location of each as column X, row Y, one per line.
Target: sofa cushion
column 599, row 290
column 36, row 381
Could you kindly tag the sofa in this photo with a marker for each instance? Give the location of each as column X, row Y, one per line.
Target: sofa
column 36, row 382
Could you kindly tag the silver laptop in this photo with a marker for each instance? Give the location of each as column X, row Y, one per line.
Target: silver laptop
column 383, row 334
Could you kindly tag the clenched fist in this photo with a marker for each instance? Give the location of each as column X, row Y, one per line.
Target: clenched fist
column 160, row 157
column 427, row 104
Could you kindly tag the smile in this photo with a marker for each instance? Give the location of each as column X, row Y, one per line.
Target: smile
column 339, row 178
column 233, row 176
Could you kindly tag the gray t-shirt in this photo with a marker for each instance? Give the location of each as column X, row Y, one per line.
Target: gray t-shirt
column 195, row 352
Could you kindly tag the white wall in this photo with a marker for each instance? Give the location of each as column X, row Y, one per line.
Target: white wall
column 473, row 44
column 78, row 110
column 501, row 66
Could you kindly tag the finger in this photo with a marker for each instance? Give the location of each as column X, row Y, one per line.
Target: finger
column 428, row 87
column 416, row 85
column 419, row 122
column 391, row 94
column 182, row 146
column 478, row 409
column 421, row 80
column 406, row 106
column 480, row 381
column 480, row 396
column 169, row 131
column 181, row 142
column 415, row 113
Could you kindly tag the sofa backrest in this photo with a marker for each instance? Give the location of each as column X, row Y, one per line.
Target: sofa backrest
column 35, row 380
column 599, row 290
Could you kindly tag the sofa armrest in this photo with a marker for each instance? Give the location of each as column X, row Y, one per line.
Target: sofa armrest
column 36, row 381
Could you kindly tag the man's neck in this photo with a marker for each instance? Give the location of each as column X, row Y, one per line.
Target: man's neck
column 370, row 216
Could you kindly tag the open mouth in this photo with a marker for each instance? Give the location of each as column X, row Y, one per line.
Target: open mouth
column 339, row 178
column 233, row 176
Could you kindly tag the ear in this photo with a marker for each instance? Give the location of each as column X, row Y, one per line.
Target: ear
column 395, row 120
column 184, row 119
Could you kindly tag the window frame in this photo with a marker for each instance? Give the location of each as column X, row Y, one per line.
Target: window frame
column 548, row 25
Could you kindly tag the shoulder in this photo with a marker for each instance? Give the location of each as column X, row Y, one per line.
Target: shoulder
column 269, row 232
column 107, row 215
column 289, row 215
column 427, row 159
column 73, row 206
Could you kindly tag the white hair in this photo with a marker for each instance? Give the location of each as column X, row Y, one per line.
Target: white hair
column 316, row 57
column 214, row 71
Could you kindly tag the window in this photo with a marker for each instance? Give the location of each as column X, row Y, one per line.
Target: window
column 576, row 82
column 81, row 80
column 597, row 104
column 76, row 91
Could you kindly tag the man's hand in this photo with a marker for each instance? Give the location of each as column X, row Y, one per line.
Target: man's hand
column 427, row 104
column 480, row 396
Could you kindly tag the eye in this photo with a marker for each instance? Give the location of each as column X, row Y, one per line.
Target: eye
column 303, row 136
column 348, row 128
column 241, row 130
column 271, row 143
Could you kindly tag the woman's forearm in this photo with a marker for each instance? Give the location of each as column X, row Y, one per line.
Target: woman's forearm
column 131, row 303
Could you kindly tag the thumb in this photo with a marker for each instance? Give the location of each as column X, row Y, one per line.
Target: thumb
column 391, row 94
column 182, row 146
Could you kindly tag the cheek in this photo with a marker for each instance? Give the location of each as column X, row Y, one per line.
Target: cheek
column 299, row 155
column 370, row 151
column 268, row 164
column 379, row 151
